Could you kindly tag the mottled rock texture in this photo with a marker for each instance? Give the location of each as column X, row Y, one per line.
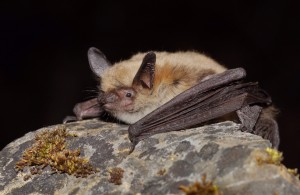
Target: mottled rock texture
column 158, row 165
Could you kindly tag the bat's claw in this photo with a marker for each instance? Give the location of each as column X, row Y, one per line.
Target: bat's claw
column 134, row 142
column 132, row 147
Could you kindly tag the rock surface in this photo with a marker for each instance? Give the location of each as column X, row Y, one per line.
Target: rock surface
column 158, row 165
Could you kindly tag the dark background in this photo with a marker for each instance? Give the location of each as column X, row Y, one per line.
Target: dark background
column 44, row 68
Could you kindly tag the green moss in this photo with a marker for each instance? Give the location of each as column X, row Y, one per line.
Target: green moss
column 293, row 172
column 203, row 188
column 273, row 157
column 49, row 149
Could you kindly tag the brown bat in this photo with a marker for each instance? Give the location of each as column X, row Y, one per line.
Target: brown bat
column 158, row 92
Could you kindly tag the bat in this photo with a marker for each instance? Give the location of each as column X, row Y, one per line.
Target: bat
column 158, row 92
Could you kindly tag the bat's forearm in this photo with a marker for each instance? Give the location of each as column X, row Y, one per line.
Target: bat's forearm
column 188, row 100
column 210, row 99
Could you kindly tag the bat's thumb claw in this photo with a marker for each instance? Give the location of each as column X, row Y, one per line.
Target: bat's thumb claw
column 132, row 147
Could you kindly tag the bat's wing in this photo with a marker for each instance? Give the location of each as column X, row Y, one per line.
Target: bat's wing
column 83, row 110
column 210, row 99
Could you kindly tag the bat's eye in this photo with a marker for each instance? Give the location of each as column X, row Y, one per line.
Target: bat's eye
column 128, row 94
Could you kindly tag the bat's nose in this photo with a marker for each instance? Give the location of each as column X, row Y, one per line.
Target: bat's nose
column 110, row 98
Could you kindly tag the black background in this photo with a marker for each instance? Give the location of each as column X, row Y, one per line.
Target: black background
column 44, row 69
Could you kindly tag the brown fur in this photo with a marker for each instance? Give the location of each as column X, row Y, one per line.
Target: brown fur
column 174, row 73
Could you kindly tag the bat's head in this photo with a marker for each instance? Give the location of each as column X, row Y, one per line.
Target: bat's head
column 125, row 86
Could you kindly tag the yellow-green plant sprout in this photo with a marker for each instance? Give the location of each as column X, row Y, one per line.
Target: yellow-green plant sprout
column 203, row 188
column 273, row 157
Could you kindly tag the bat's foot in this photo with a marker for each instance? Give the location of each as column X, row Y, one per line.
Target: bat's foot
column 268, row 129
column 254, row 121
column 248, row 116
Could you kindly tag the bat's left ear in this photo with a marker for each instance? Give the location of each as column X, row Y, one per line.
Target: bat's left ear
column 98, row 62
column 145, row 74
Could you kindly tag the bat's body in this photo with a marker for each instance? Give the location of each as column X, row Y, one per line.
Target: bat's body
column 174, row 73
column 138, row 92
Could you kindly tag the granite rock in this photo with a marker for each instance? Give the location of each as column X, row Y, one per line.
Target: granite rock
column 158, row 165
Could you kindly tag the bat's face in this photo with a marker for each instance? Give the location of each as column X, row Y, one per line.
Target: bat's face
column 121, row 104
column 118, row 100
column 125, row 86
column 125, row 104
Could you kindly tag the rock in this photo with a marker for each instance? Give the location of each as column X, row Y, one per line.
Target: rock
column 158, row 165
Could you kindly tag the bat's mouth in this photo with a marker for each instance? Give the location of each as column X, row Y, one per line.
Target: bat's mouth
column 109, row 107
column 112, row 107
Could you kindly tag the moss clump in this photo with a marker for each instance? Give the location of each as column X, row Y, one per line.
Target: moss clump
column 116, row 175
column 49, row 149
column 203, row 188
column 273, row 157
column 161, row 172
column 293, row 172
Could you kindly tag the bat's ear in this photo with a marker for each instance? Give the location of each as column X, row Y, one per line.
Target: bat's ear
column 98, row 61
column 145, row 74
